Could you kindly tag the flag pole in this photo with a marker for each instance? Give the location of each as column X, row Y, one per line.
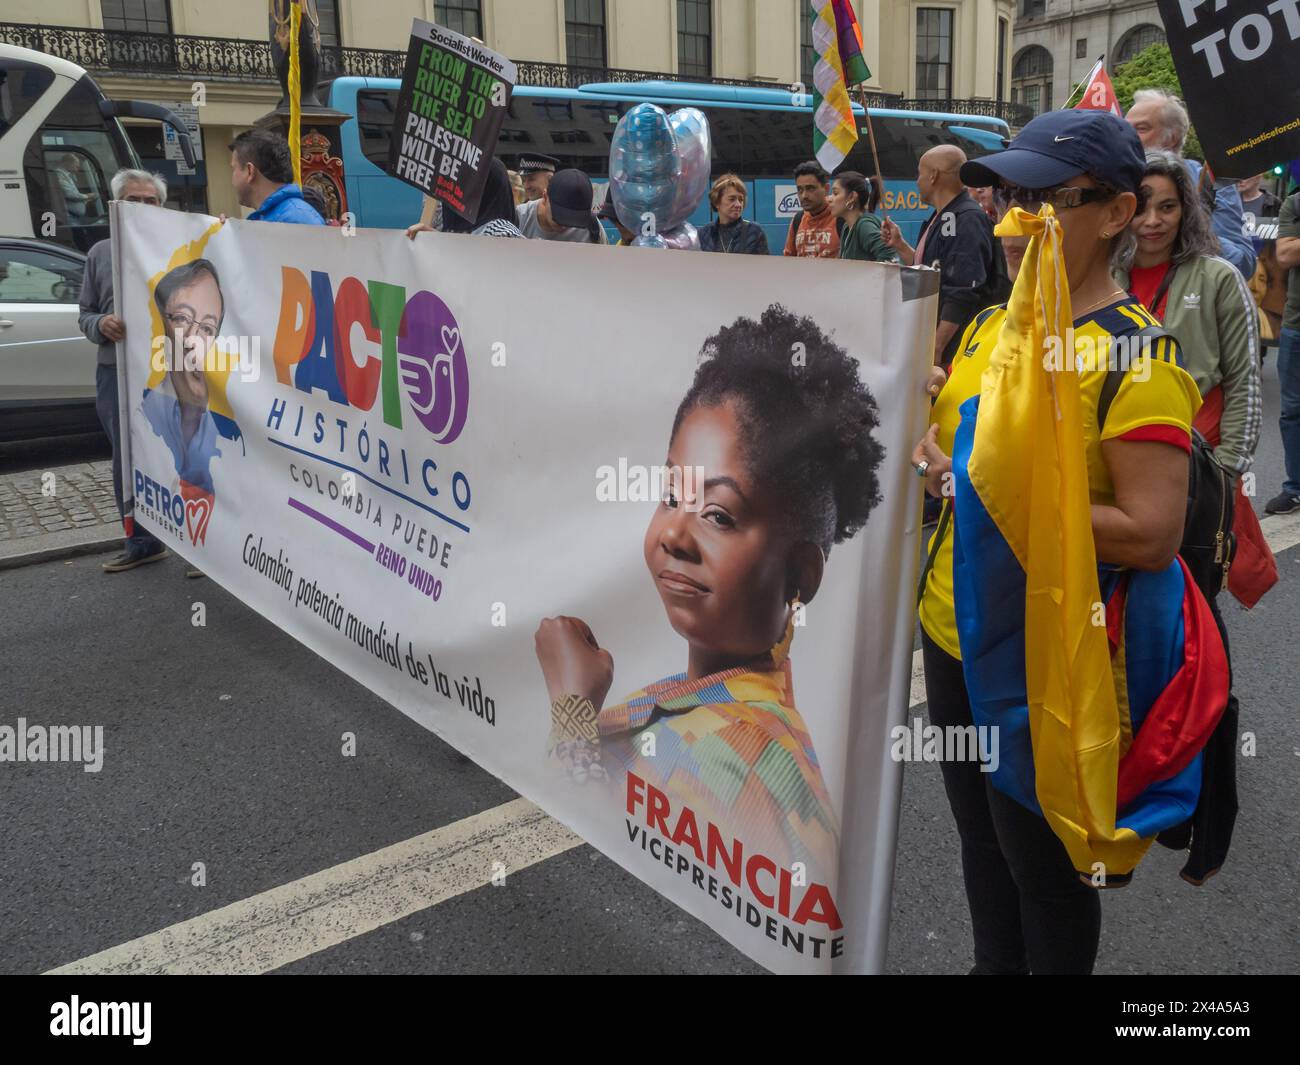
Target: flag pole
column 1086, row 78
column 871, row 136
column 295, row 90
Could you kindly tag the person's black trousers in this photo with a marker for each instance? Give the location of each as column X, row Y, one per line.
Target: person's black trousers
column 1029, row 910
column 142, row 541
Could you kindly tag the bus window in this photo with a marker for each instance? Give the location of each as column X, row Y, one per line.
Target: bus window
column 895, row 146
column 71, row 160
column 21, row 85
column 79, row 194
column 727, row 136
column 775, row 142
column 375, row 109
column 577, row 132
column 975, row 141
column 902, row 141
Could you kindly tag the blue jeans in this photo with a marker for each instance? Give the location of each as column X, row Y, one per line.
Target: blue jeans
column 106, row 406
column 1288, row 373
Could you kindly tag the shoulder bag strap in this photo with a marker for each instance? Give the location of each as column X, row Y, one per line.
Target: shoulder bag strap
column 1115, row 377
column 945, row 520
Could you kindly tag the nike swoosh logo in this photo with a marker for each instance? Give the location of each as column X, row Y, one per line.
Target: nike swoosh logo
column 1059, row 139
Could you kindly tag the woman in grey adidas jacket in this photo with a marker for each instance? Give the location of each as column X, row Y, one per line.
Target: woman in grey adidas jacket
column 1172, row 264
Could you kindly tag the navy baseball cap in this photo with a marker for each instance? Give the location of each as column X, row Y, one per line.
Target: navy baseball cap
column 571, row 197
column 1059, row 145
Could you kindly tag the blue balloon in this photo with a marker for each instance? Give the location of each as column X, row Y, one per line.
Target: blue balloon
column 658, row 166
column 642, row 165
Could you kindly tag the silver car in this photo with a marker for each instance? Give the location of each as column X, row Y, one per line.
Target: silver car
column 47, row 367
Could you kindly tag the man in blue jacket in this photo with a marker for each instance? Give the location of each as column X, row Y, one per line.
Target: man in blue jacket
column 261, row 171
column 1161, row 122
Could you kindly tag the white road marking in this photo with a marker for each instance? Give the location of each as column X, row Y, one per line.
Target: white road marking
column 1282, row 531
column 918, row 680
column 300, row 918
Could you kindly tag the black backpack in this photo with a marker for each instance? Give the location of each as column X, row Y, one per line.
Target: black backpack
column 1208, row 545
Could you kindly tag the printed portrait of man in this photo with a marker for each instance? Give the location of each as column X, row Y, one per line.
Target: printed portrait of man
column 192, row 307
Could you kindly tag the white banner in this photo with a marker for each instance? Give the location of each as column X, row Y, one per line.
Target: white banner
column 485, row 478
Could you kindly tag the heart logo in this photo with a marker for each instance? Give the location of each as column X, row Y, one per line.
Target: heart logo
column 197, row 513
column 450, row 339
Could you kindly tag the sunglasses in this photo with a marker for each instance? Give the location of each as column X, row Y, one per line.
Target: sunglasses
column 1062, row 198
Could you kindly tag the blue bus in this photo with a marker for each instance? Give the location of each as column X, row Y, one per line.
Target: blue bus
column 759, row 134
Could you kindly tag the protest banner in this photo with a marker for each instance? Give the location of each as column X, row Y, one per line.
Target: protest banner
column 449, row 111
column 705, row 472
column 1227, row 54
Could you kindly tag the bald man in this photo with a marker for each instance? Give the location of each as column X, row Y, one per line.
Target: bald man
column 958, row 238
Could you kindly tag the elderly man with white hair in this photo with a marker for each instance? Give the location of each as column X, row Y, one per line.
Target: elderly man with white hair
column 104, row 328
column 1161, row 123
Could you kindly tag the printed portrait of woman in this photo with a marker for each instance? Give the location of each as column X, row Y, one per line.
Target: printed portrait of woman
column 780, row 424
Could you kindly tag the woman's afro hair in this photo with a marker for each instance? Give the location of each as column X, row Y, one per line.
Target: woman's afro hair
column 806, row 417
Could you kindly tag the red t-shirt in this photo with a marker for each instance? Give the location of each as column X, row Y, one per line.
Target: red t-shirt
column 1143, row 282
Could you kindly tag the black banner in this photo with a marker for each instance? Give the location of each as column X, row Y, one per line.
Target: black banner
column 453, row 99
column 1237, row 64
column 1223, row 1016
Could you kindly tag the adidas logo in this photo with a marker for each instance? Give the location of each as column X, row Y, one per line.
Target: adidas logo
column 1192, row 300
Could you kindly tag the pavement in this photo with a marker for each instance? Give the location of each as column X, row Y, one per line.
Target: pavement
column 232, row 830
column 49, row 513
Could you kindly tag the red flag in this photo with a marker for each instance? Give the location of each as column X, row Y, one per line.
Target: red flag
column 1099, row 93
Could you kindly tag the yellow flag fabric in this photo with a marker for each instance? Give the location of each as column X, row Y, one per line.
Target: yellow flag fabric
column 295, row 91
column 1028, row 466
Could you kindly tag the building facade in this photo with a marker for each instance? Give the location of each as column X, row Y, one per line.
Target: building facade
column 1058, row 41
column 943, row 54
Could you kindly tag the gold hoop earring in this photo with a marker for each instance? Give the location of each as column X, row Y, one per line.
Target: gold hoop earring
column 781, row 651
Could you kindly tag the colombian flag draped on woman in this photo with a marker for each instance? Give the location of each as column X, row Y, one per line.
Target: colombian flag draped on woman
column 837, row 43
column 1104, row 684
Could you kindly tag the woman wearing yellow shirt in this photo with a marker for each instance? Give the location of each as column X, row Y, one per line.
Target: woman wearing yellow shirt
column 1029, row 910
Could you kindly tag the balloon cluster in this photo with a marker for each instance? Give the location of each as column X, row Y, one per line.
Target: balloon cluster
column 658, row 172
